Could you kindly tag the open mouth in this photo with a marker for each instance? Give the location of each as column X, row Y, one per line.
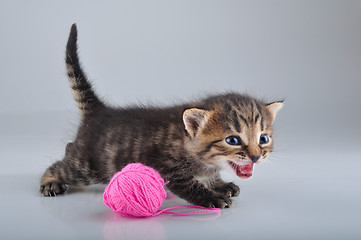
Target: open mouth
column 242, row 171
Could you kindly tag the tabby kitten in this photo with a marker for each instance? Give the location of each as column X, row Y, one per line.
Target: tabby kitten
column 187, row 144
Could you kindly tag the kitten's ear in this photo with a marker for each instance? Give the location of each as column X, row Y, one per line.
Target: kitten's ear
column 194, row 119
column 274, row 107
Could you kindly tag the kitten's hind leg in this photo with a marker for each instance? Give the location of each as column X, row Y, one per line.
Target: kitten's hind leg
column 53, row 180
column 73, row 170
column 63, row 173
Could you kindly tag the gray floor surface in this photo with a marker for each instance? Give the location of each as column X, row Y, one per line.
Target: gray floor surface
column 307, row 52
column 301, row 192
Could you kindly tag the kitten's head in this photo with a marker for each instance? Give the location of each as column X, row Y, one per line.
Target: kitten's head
column 231, row 132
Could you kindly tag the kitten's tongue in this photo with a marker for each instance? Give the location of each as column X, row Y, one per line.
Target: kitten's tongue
column 242, row 171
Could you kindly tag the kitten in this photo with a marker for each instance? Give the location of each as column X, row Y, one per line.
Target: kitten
column 187, row 144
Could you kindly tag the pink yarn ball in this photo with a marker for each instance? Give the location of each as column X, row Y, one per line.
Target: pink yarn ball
column 135, row 191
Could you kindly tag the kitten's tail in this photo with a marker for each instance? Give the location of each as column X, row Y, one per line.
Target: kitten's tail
column 83, row 93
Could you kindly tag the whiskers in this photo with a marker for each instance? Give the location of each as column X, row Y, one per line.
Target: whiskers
column 276, row 158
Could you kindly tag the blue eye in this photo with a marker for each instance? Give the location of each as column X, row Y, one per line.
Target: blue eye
column 263, row 139
column 233, row 140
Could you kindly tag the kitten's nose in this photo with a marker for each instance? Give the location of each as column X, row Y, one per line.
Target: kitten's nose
column 254, row 152
column 254, row 158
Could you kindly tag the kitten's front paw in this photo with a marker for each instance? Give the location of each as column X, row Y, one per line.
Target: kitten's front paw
column 219, row 201
column 229, row 189
column 52, row 189
column 233, row 189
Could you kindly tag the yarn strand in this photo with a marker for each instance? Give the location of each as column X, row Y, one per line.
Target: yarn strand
column 205, row 210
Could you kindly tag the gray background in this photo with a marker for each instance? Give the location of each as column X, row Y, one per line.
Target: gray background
column 163, row 52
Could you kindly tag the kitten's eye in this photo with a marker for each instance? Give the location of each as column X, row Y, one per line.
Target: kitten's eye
column 263, row 139
column 233, row 140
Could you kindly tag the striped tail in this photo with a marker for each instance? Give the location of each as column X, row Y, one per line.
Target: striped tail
column 83, row 93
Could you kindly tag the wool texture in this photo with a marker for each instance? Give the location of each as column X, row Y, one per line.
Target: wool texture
column 135, row 191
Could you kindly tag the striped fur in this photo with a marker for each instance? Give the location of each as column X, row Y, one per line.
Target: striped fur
column 82, row 90
column 186, row 143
